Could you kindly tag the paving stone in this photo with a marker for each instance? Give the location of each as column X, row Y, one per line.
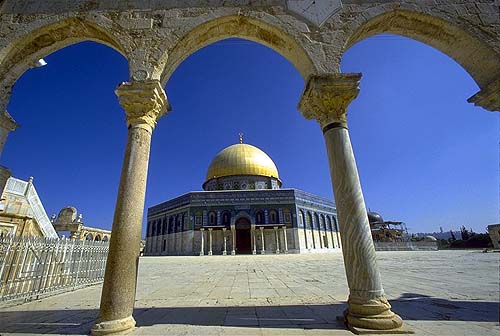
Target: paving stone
column 437, row 293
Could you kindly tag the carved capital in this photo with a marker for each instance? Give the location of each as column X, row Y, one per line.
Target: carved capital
column 7, row 122
column 144, row 102
column 488, row 98
column 326, row 97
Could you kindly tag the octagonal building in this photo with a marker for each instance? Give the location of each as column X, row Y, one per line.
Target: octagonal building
column 242, row 210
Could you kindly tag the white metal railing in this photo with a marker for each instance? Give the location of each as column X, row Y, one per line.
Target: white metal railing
column 31, row 267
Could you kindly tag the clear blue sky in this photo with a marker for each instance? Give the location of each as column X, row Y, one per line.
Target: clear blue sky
column 425, row 156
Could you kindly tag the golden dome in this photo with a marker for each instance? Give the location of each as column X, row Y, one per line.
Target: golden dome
column 242, row 159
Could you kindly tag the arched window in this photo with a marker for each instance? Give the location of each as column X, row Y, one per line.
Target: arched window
column 301, row 218
column 226, row 218
column 273, row 217
column 212, row 218
column 329, row 223
column 105, row 239
column 259, row 217
column 158, row 227
column 287, row 216
column 97, row 238
column 335, row 224
column 178, row 223
column 171, row 224
column 153, row 228
column 309, row 221
column 89, row 237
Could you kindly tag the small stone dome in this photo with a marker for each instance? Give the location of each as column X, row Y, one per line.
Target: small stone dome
column 430, row 239
column 374, row 217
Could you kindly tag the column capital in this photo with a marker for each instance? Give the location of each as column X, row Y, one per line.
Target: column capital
column 326, row 97
column 144, row 102
column 488, row 98
column 7, row 122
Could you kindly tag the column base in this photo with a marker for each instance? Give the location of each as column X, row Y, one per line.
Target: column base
column 364, row 331
column 202, row 254
column 224, row 253
column 254, row 252
column 373, row 317
column 233, row 252
column 121, row 326
column 262, row 252
column 209, row 252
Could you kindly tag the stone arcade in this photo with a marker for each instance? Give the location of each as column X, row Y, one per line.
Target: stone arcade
column 156, row 36
column 243, row 210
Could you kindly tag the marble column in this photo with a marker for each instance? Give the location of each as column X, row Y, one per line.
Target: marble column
column 210, row 241
column 325, row 99
column 202, row 235
column 7, row 125
column 233, row 235
column 263, row 247
column 254, row 243
column 224, row 238
column 144, row 103
column 285, row 241
column 277, row 240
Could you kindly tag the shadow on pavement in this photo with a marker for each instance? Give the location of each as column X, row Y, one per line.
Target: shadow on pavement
column 410, row 306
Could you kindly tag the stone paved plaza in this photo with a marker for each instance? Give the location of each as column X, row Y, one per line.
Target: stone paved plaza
column 437, row 293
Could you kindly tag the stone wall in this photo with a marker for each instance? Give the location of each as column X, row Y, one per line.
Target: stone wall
column 156, row 36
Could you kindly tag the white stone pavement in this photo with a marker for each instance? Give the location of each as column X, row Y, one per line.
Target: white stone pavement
column 437, row 293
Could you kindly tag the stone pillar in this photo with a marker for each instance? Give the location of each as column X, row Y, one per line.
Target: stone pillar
column 263, row 247
column 144, row 103
column 277, row 240
column 7, row 125
column 325, row 99
column 224, row 238
column 5, row 174
column 233, row 234
column 209, row 241
column 318, row 226
column 254, row 243
column 285, row 241
column 202, row 248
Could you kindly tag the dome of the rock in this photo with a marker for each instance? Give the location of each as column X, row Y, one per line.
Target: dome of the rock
column 241, row 160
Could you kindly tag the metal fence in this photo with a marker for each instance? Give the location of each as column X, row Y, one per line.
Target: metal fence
column 31, row 267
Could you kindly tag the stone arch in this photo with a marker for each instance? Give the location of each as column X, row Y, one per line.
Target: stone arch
column 479, row 59
column 97, row 237
column 89, row 237
column 23, row 52
column 239, row 215
column 235, row 26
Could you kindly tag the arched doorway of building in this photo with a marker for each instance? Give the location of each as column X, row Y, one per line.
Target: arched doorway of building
column 243, row 236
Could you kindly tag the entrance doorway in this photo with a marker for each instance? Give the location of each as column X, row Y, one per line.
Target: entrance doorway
column 243, row 236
